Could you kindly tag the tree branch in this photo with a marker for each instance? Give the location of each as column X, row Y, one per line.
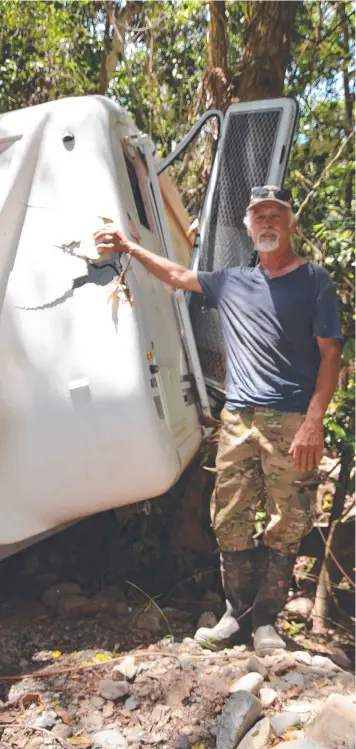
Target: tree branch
column 324, row 174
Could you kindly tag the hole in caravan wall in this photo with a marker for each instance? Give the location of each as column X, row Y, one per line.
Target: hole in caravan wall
column 68, row 141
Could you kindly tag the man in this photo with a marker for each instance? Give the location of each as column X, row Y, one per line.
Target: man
column 282, row 335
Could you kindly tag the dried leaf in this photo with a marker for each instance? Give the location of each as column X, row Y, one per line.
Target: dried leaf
column 62, row 713
column 29, row 699
column 56, row 654
column 79, row 741
column 103, row 657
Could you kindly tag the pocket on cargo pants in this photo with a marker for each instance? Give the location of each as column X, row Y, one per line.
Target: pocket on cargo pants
column 239, row 481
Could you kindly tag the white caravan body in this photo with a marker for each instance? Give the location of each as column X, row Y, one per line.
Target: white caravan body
column 97, row 407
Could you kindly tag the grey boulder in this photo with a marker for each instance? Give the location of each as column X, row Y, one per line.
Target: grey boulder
column 239, row 714
column 334, row 726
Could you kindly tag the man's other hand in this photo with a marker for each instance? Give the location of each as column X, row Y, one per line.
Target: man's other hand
column 307, row 446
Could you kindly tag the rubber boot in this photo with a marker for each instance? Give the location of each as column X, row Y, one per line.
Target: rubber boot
column 270, row 599
column 238, row 573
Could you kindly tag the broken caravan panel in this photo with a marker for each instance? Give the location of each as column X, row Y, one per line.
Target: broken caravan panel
column 253, row 150
column 96, row 407
column 169, row 223
column 146, row 147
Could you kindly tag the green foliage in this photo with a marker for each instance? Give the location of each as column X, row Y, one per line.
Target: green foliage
column 48, row 50
column 319, row 77
column 340, row 419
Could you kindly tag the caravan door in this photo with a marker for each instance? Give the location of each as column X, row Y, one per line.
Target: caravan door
column 253, row 150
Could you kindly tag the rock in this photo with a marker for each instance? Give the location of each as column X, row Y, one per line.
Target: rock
column 303, row 707
column 77, row 605
column 321, row 661
column 280, row 665
column 255, row 665
column 97, row 702
column 299, row 744
column 314, row 671
column 257, row 736
column 187, row 662
column 207, row 619
column 300, row 607
column 280, row 685
column 182, row 742
column 151, row 620
column 131, row 703
column 35, row 743
column 52, row 595
column 267, row 696
column 110, row 738
column 334, row 726
column 293, row 679
column 281, row 722
column 108, row 710
column 340, row 658
column 302, row 656
column 93, row 721
column 134, row 735
column 43, row 721
column 240, row 713
column 251, row 682
column 112, row 690
column 345, row 680
column 127, row 667
column 62, row 731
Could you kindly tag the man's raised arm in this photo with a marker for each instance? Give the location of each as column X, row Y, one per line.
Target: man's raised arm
column 109, row 240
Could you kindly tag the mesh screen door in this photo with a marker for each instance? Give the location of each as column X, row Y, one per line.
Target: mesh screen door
column 253, row 150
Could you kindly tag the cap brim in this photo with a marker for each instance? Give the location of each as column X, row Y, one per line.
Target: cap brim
column 257, row 201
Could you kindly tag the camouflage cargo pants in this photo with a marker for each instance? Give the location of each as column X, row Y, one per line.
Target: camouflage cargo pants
column 253, row 467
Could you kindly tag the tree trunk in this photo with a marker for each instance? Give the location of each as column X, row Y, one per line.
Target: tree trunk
column 322, row 596
column 266, row 53
column 114, row 39
column 217, row 55
column 349, row 99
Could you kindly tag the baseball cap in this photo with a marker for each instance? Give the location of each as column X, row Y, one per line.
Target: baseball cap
column 270, row 192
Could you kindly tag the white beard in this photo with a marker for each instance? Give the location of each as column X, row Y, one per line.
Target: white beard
column 267, row 245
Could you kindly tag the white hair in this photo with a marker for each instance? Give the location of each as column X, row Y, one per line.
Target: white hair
column 247, row 218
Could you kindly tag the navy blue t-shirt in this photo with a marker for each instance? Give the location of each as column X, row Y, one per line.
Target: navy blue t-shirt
column 270, row 327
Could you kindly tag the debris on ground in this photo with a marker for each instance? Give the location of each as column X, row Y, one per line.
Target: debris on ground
column 104, row 681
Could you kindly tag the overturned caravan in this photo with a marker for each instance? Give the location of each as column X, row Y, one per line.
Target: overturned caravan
column 98, row 407
column 104, row 371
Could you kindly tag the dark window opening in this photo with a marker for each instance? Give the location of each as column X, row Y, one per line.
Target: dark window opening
column 137, row 193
